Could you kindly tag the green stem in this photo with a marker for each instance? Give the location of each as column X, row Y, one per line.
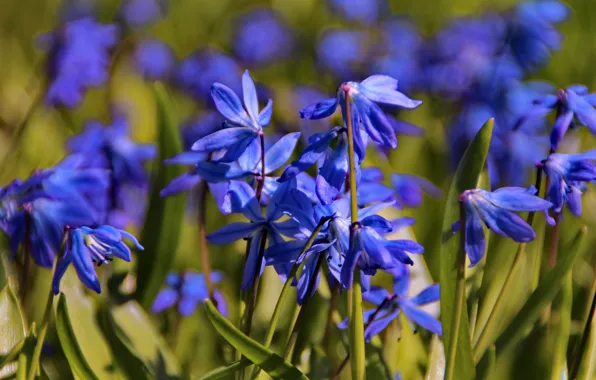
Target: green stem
column 287, row 285
column 41, row 338
column 356, row 323
column 483, row 339
column 460, row 290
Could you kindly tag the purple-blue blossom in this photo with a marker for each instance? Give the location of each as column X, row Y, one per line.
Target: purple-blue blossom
column 188, row 290
column 390, row 305
column 78, row 58
column 568, row 175
column 364, row 11
column 88, row 246
column 343, row 52
column 139, row 13
column 497, row 210
column 154, row 59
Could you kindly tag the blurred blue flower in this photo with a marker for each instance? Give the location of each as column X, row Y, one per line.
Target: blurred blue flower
column 199, row 126
column 261, row 38
column 34, row 213
column 87, row 246
column 574, row 105
column 371, row 252
column 138, row 13
column 568, row 174
column 409, row 189
column 389, row 305
column 196, row 73
column 188, row 291
column 154, row 59
column 497, row 210
column 343, row 52
column 78, row 58
column 532, row 33
column 364, row 11
column 111, row 148
column 244, row 125
column 302, row 97
column 363, row 97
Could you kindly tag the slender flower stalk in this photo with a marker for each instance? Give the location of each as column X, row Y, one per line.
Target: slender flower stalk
column 460, row 290
column 202, row 211
column 481, row 337
column 356, row 324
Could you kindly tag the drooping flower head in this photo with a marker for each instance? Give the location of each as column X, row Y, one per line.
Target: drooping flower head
column 188, row 291
column 154, row 59
column 497, row 210
column 262, row 38
column 88, row 246
column 390, row 305
column 78, row 58
column 568, row 175
column 363, row 98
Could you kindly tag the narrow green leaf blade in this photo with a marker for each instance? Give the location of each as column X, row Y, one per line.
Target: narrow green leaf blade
column 162, row 227
column 69, row 343
column 467, row 177
column 544, row 294
column 270, row 362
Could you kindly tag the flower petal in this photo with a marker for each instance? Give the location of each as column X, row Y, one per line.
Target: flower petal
column 560, row 127
column 222, row 139
column 475, row 241
column 517, row 199
column 421, row 317
column 280, row 152
column 319, row 110
column 387, row 96
column 228, row 104
column 428, row 295
column 251, row 100
column 181, row 183
column 309, row 156
column 233, row 232
column 265, row 115
column 584, row 110
column 252, row 266
column 164, row 300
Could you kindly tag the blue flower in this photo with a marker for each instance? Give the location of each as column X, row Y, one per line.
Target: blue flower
column 243, row 199
column 262, row 38
column 34, row 213
column 138, row 13
column 200, row 126
column 568, row 174
column 343, row 52
column 364, row 11
column 188, row 290
column 409, row 189
column 196, row 73
column 87, row 246
column 390, row 305
column 371, row 252
column 111, row 148
column 154, row 59
column 574, row 105
column 363, row 97
column 78, row 58
column 245, row 122
column 497, row 210
column 532, row 33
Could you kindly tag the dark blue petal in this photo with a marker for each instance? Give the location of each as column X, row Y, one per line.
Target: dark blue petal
column 560, row 128
column 421, row 318
column 379, row 324
column 308, row 272
column 233, row 232
column 584, row 110
column 186, row 158
column 164, row 300
column 475, row 241
column 380, row 224
column 280, row 152
column 283, row 253
column 61, row 269
column 229, row 105
column 376, row 295
column 517, row 199
column 187, row 306
column 181, row 183
column 309, row 156
column 319, row 110
column 223, row 139
column 375, row 122
column 218, row 172
column 236, row 150
column 81, row 259
column 507, row 223
column 428, row 295
column 252, row 266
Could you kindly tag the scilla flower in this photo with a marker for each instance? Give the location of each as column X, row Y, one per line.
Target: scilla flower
column 390, row 305
column 364, row 97
column 188, row 290
column 87, row 246
column 497, row 210
column 246, row 122
column 568, row 174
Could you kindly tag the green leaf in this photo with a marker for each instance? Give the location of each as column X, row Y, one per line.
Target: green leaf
column 560, row 328
column 131, row 330
column 25, row 357
column 541, row 297
column 163, row 223
column 376, row 367
column 228, row 371
column 270, row 362
column 69, row 342
column 12, row 329
column 467, row 177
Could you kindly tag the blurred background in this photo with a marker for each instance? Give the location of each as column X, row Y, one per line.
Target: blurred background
column 461, row 57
